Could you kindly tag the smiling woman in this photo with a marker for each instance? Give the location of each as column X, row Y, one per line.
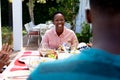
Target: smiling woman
column 59, row 34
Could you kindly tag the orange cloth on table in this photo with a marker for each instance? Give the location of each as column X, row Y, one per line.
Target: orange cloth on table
column 54, row 41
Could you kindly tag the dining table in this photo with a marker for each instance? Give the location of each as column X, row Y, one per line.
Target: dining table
column 18, row 70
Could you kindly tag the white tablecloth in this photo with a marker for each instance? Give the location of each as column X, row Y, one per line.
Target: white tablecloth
column 20, row 54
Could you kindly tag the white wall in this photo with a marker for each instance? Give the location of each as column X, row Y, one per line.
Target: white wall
column 17, row 25
column 81, row 14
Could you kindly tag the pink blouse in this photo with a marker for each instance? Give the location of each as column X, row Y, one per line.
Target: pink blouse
column 54, row 41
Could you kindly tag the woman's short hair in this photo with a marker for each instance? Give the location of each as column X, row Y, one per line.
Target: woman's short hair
column 57, row 12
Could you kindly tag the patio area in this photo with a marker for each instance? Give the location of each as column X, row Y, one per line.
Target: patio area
column 33, row 45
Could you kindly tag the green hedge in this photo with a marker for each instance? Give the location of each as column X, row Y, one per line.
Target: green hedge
column 7, row 35
column 85, row 34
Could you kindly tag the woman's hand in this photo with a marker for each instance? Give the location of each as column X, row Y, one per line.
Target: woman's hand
column 4, row 60
column 4, row 55
column 6, row 49
column 89, row 44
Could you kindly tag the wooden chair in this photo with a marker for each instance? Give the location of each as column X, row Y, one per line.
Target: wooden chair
column 31, row 33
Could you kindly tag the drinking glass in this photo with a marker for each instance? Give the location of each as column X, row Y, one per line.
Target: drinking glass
column 42, row 49
column 32, row 62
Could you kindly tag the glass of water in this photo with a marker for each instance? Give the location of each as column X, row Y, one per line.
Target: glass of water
column 42, row 49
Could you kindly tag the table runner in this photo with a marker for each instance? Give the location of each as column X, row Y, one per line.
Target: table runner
column 21, row 65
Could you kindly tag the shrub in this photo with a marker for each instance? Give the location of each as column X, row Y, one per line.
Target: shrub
column 7, row 35
column 85, row 34
column 24, row 32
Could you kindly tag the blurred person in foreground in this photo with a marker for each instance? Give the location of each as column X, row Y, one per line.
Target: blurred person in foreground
column 59, row 34
column 102, row 61
column 5, row 55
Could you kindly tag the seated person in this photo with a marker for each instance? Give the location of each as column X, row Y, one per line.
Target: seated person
column 59, row 34
column 102, row 61
column 4, row 55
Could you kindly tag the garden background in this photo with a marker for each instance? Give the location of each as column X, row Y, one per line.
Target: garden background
column 42, row 12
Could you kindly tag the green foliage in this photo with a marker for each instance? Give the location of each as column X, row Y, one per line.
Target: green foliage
column 24, row 32
column 7, row 35
column 43, row 10
column 41, row 1
column 68, row 7
column 78, row 36
column 85, row 34
column 52, row 10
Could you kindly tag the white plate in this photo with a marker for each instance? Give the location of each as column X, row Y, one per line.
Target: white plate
column 23, row 59
column 64, row 55
column 42, row 59
column 33, row 61
column 17, row 74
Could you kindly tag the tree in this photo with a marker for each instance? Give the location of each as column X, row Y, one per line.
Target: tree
column 31, row 5
column 68, row 7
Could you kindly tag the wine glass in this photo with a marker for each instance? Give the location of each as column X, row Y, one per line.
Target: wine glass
column 32, row 62
column 42, row 49
column 66, row 47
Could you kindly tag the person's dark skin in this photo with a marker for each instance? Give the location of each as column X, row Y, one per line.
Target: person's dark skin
column 5, row 55
column 106, row 30
column 59, row 22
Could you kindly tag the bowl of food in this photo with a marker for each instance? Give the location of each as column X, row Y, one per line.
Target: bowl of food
column 51, row 54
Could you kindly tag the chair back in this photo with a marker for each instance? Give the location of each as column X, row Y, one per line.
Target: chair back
column 31, row 24
column 43, row 29
column 27, row 27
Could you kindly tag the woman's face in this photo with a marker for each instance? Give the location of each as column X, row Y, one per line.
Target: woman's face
column 59, row 22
